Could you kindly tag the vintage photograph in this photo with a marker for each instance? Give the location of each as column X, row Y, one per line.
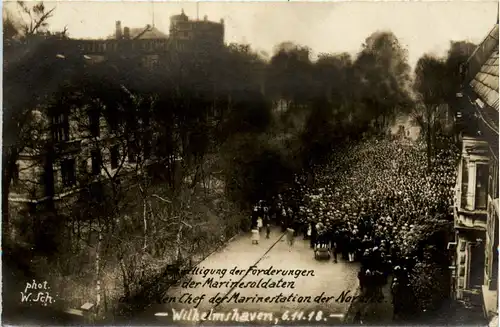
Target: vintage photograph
column 250, row 163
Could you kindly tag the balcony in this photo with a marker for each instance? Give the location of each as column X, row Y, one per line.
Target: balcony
column 70, row 146
column 467, row 219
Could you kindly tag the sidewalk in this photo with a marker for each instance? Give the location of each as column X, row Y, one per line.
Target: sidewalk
column 239, row 253
column 328, row 279
column 453, row 313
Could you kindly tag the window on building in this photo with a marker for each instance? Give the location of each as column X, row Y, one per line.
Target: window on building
column 15, row 174
column 155, row 63
column 493, row 181
column 60, row 127
column 147, row 149
column 94, row 124
column 487, row 263
column 113, row 121
column 482, row 177
column 115, row 156
column 96, row 162
column 465, row 184
column 132, row 153
column 490, row 185
column 494, row 265
column 68, row 172
column 82, row 168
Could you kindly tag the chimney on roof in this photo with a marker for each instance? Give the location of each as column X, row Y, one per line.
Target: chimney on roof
column 118, row 32
column 126, row 33
column 222, row 21
column 205, row 18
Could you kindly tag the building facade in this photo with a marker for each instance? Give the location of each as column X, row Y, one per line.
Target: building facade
column 183, row 29
column 151, row 44
column 78, row 146
column 75, row 148
column 475, row 278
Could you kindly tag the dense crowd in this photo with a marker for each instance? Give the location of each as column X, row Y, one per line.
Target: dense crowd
column 375, row 203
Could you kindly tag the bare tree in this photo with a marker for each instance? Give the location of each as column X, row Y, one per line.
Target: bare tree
column 22, row 62
column 430, row 74
column 35, row 18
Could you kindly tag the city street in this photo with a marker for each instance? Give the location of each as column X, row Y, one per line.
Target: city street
column 324, row 286
column 145, row 160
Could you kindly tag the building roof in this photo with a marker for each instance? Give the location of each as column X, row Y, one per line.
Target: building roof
column 151, row 33
column 482, row 78
column 485, row 82
column 482, row 53
column 144, row 33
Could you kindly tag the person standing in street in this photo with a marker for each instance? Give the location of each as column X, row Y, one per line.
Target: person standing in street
column 290, row 236
column 361, row 278
column 308, row 231
column 267, row 221
column 314, row 235
column 260, row 223
column 350, row 248
column 291, row 220
column 255, row 216
column 395, row 303
column 334, row 246
column 283, row 219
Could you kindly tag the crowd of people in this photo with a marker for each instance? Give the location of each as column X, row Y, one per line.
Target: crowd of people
column 374, row 203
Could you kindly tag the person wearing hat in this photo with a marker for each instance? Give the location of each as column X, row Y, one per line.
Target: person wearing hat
column 368, row 275
column 260, row 223
column 255, row 216
column 334, row 235
column 283, row 219
column 362, row 280
column 267, row 222
column 395, row 292
column 351, row 246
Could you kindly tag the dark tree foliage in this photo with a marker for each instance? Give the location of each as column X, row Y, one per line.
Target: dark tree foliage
column 437, row 80
column 458, row 54
column 202, row 109
column 385, row 77
column 290, row 74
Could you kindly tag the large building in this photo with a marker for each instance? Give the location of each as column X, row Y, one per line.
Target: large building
column 199, row 31
column 150, row 43
column 51, row 175
column 476, row 208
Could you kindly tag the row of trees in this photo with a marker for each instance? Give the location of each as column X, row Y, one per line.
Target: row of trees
column 437, row 80
column 223, row 127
